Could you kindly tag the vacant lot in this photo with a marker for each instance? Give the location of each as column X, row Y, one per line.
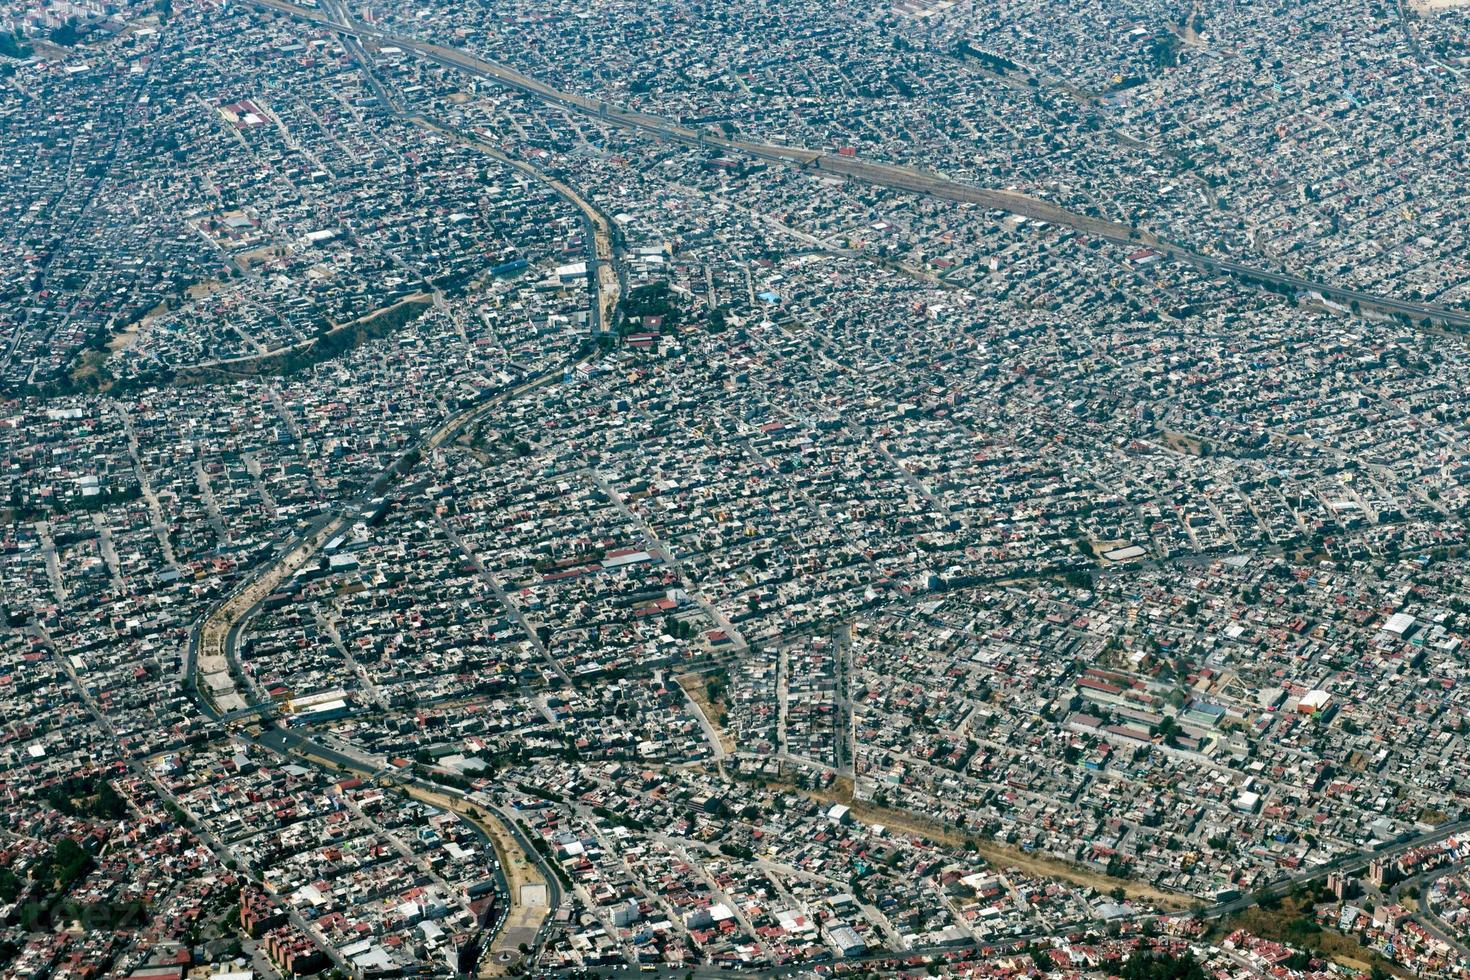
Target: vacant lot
column 528, row 889
column 694, row 686
column 1000, row 855
column 1291, row 922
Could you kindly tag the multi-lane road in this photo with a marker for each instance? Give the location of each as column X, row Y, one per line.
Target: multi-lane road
column 221, row 627
column 877, row 174
column 212, row 648
column 1426, row 915
column 606, row 275
column 1347, row 863
column 212, row 672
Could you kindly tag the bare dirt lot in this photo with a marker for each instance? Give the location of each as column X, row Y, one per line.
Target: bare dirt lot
column 528, row 890
column 713, row 711
column 1291, row 922
column 1000, row 855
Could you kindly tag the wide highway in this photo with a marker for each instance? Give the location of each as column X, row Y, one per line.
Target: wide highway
column 869, row 172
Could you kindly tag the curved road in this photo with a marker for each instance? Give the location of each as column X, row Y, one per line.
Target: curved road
column 217, row 634
column 222, row 624
column 865, row 171
column 1426, row 916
